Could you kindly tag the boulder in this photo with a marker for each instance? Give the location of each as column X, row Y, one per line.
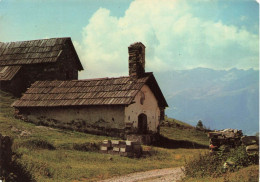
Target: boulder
column 252, row 148
column 250, row 140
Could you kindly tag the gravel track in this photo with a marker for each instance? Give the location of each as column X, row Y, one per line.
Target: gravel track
column 157, row 175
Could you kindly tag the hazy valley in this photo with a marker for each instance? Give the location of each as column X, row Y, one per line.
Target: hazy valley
column 221, row 99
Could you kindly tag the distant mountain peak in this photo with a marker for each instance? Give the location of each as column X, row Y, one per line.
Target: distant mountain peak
column 220, row 98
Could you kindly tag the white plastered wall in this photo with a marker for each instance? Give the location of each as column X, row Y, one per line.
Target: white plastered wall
column 149, row 107
column 104, row 116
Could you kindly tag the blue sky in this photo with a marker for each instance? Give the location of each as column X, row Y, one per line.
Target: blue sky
column 30, row 19
column 178, row 34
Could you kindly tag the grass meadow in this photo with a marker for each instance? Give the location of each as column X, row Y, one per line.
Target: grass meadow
column 51, row 154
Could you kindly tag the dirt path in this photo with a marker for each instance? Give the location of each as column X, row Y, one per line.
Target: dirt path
column 157, row 175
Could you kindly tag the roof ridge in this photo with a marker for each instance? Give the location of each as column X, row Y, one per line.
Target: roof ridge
column 104, row 78
column 37, row 39
column 91, row 79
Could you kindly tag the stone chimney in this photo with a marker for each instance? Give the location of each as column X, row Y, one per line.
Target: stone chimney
column 136, row 60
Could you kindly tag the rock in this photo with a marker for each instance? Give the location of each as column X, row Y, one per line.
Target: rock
column 250, row 140
column 252, row 148
column 14, row 129
column 228, row 164
column 230, row 137
column 25, row 133
column 229, row 134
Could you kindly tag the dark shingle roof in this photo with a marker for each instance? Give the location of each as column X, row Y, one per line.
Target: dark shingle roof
column 33, row 51
column 103, row 91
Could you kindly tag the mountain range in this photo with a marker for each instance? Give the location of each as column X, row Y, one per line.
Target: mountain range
column 219, row 98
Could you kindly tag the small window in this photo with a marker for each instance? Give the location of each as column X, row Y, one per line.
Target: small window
column 142, row 98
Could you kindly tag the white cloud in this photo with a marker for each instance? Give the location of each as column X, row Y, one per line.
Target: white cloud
column 174, row 39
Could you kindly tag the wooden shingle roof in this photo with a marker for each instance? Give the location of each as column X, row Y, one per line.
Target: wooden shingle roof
column 8, row 72
column 33, row 51
column 103, row 91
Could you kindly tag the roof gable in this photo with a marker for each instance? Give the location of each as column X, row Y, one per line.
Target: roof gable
column 34, row 51
column 152, row 83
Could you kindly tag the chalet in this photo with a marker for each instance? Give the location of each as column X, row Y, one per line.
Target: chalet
column 132, row 104
column 24, row 62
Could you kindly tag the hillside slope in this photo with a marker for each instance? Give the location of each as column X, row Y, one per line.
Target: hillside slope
column 51, row 154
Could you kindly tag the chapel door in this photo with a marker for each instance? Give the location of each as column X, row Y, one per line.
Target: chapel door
column 142, row 124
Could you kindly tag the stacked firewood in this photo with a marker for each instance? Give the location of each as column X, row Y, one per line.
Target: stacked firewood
column 122, row 148
column 230, row 137
column 251, row 143
column 233, row 138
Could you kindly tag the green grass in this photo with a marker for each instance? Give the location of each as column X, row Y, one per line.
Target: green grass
column 67, row 165
column 247, row 174
column 186, row 133
column 176, row 121
column 51, row 154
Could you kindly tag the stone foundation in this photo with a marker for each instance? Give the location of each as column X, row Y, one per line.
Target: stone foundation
column 145, row 139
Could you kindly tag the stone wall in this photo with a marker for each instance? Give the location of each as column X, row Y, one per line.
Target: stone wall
column 103, row 120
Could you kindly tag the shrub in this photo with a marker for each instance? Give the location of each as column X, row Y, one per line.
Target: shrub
column 211, row 164
column 203, row 165
column 241, row 158
column 40, row 144
column 18, row 172
column 88, row 146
